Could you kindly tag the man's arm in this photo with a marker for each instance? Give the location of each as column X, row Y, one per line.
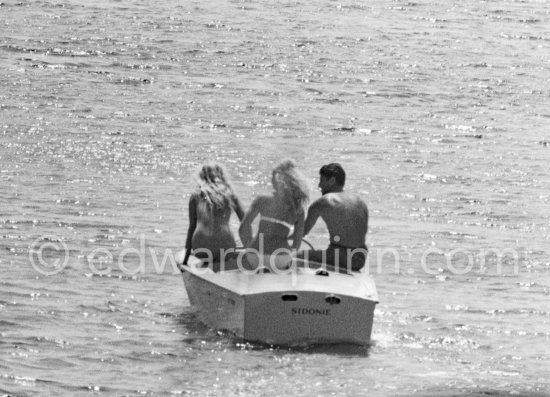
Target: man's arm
column 313, row 214
column 298, row 231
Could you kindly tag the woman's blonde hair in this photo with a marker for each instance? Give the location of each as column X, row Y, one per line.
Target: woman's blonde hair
column 291, row 185
column 214, row 186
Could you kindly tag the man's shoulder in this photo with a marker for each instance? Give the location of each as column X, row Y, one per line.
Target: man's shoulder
column 321, row 201
column 338, row 198
column 354, row 196
column 345, row 199
column 359, row 200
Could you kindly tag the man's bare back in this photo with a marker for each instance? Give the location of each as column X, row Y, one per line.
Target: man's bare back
column 346, row 216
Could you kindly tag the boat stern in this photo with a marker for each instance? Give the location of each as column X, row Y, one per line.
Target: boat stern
column 300, row 317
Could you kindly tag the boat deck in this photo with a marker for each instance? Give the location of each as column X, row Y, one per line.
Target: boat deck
column 243, row 282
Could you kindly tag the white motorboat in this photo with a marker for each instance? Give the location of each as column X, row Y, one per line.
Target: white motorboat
column 299, row 307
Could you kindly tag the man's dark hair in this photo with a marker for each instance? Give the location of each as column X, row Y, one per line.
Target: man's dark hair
column 334, row 170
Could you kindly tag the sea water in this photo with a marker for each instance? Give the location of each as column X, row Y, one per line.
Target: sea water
column 438, row 111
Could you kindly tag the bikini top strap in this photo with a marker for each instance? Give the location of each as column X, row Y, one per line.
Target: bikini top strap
column 275, row 220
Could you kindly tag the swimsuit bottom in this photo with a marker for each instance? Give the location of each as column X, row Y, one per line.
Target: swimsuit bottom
column 341, row 258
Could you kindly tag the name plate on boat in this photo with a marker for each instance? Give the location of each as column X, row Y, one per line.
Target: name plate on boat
column 311, row 311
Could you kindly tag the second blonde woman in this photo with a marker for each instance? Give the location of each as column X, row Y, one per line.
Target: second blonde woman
column 280, row 213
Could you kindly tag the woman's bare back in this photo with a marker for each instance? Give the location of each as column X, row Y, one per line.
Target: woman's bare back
column 212, row 232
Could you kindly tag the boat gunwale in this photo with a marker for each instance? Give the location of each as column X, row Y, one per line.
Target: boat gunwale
column 245, row 291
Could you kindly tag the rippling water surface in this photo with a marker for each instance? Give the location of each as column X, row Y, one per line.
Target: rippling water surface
column 439, row 111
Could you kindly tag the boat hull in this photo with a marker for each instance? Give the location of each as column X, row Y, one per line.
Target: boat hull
column 297, row 308
column 220, row 308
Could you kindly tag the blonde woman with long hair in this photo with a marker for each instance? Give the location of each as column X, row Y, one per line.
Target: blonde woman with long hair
column 280, row 213
column 210, row 209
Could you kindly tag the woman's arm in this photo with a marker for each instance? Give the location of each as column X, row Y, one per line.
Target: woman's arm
column 192, row 227
column 245, row 230
column 238, row 208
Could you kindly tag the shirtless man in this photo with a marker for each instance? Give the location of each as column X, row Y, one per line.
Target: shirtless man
column 347, row 218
